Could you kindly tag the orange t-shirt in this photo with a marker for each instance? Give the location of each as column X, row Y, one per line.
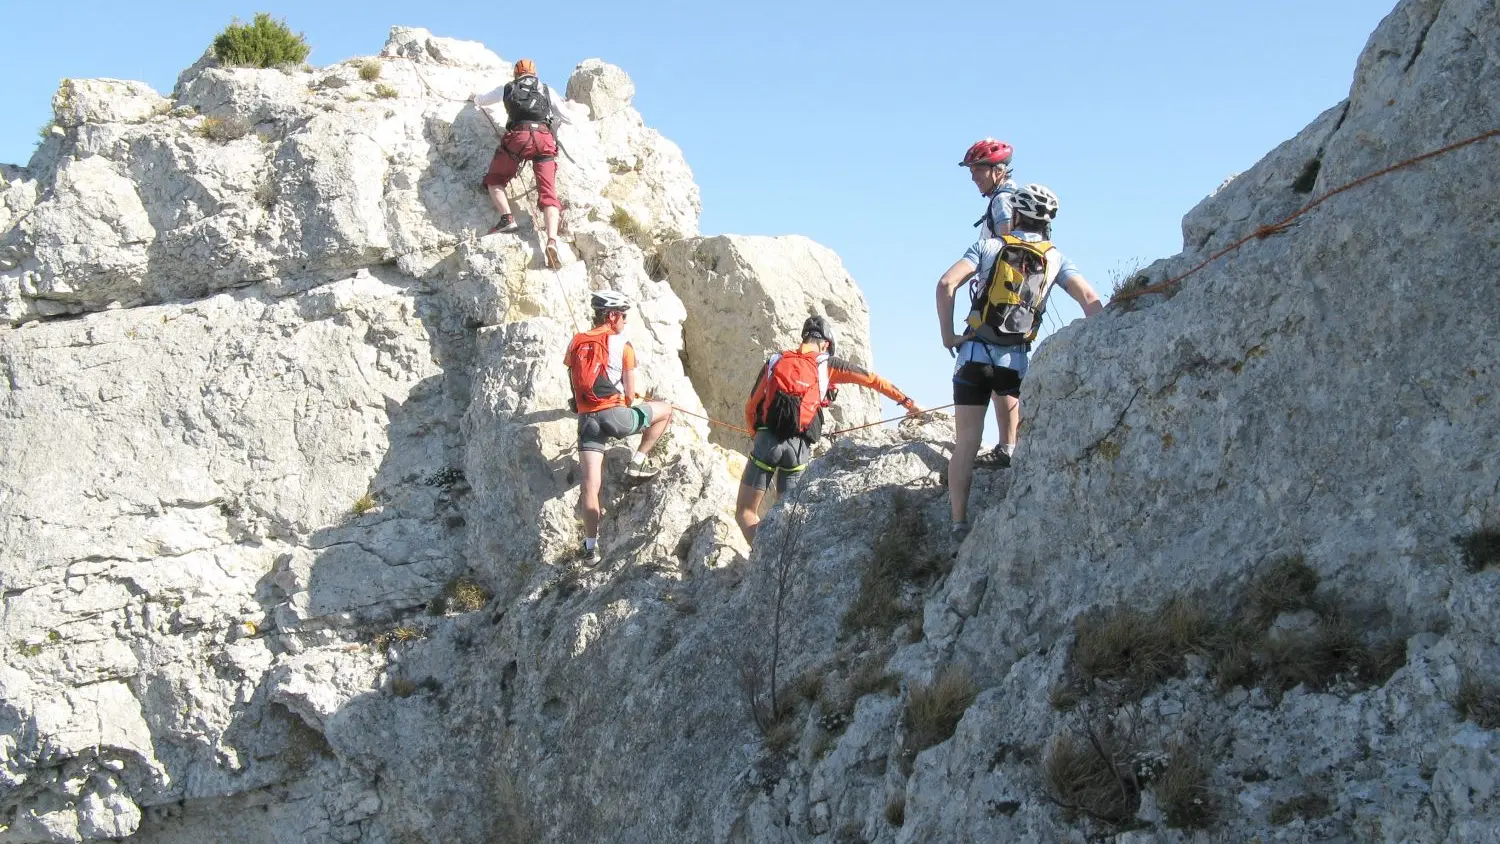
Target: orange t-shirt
column 610, row 385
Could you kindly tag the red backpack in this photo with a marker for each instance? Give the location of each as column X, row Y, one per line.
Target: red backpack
column 789, row 398
column 589, row 370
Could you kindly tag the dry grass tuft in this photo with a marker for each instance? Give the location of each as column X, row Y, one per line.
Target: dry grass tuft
column 224, row 128
column 895, row 809
column 1480, row 549
column 386, row 92
column 1302, row 807
column 1478, row 702
column 1136, row 647
column 933, row 711
column 369, row 70
column 1286, row 585
column 1182, row 791
column 1092, row 774
column 464, row 595
column 902, row 557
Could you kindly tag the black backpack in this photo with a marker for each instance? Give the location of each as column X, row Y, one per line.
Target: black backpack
column 526, row 100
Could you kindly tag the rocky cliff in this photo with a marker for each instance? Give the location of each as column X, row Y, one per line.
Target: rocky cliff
column 287, row 498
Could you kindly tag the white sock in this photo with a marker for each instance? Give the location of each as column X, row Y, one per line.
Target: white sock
column 589, row 542
column 1007, row 448
column 637, row 458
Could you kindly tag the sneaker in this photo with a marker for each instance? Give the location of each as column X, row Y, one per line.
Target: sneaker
column 590, row 557
column 958, row 530
column 640, row 472
column 992, row 459
column 552, row 261
column 507, row 224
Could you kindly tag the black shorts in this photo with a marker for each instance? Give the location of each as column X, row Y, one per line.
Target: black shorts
column 596, row 429
column 974, row 382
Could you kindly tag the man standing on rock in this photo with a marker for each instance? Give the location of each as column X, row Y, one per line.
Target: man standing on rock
column 601, row 368
column 531, row 109
column 988, row 161
column 1015, row 273
column 786, row 412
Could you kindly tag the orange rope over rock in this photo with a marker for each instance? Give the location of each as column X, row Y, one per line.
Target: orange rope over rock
column 892, row 419
column 1282, row 225
column 750, row 433
column 711, row 421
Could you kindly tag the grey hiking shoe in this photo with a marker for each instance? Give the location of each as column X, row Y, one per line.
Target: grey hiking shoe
column 992, row 459
column 958, row 530
column 590, row 557
column 640, row 472
column 507, row 224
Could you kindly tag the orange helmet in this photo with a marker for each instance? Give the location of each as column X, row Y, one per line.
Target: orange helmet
column 525, row 67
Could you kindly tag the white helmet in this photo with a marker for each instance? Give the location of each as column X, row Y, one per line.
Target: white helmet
column 1035, row 202
column 610, row 300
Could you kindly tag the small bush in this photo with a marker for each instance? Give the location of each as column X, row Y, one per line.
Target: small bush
column 386, row 92
column 1478, row 702
column 1480, row 549
column 1182, row 791
column 364, row 504
column 933, row 711
column 1304, row 806
column 369, row 70
column 265, row 42
column 224, row 128
column 402, row 687
column 1092, row 774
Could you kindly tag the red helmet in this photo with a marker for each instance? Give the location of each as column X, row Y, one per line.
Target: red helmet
column 988, row 151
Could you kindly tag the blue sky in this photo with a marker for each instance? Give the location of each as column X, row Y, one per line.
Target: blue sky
column 844, row 122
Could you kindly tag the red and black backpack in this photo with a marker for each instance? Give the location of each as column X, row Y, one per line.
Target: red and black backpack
column 788, row 400
column 589, row 369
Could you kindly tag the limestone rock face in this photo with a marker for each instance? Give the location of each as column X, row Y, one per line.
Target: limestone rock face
column 747, row 298
column 287, row 535
column 601, row 86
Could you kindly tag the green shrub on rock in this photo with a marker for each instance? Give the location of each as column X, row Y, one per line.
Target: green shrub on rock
column 265, row 42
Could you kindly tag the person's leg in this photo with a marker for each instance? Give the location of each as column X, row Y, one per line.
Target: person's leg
column 747, row 508
column 546, row 192
column 591, row 464
column 1008, row 415
column 502, row 170
column 969, row 420
column 658, row 416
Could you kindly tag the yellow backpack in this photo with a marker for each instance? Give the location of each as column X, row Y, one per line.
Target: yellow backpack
column 1007, row 310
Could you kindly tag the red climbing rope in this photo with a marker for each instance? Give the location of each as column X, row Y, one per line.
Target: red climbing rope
column 1282, row 225
column 750, row 433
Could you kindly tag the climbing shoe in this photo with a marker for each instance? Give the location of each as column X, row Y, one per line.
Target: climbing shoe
column 589, row 557
column 640, row 472
column 552, row 260
column 992, row 459
column 507, row 224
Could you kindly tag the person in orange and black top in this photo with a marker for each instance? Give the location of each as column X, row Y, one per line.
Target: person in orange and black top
column 530, row 110
column 601, row 365
column 785, row 411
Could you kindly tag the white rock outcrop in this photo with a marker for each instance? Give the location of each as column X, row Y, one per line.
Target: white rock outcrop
column 287, row 491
